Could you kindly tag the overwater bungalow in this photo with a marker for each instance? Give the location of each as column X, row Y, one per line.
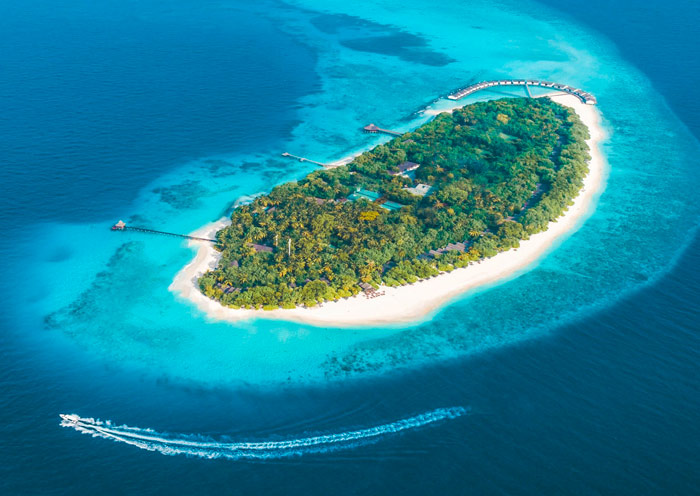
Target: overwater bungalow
column 119, row 226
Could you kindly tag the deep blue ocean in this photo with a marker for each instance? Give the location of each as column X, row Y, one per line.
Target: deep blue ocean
column 579, row 375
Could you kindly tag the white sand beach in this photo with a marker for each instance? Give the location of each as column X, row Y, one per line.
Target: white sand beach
column 412, row 302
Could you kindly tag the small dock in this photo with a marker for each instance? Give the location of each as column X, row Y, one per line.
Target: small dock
column 373, row 129
column 304, row 159
column 121, row 226
column 584, row 96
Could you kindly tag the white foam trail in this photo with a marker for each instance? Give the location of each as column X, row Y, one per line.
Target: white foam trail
column 179, row 444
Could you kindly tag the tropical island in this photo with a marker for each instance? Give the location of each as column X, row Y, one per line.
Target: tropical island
column 455, row 191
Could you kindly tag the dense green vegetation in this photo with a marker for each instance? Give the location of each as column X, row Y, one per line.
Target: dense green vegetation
column 499, row 171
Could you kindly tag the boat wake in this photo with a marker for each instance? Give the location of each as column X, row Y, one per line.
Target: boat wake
column 204, row 447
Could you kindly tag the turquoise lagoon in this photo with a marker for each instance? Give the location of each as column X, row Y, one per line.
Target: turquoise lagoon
column 107, row 297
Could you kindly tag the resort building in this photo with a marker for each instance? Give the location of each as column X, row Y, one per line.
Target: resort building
column 450, row 247
column 261, row 248
column 390, row 205
column 366, row 194
column 404, row 168
column 419, row 189
column 375, row 197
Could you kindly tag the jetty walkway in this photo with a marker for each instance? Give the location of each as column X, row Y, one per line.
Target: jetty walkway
column 372, row 128
column 304, row 159
column 584, row 96
column 121, row 226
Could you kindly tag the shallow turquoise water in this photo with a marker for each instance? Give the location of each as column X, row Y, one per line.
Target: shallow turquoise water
column 115, row 304
column 162, row 113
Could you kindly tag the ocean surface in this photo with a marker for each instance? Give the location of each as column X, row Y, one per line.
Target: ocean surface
column 578, row 375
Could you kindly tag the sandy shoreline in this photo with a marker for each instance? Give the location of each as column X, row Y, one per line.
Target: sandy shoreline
column 413, row 302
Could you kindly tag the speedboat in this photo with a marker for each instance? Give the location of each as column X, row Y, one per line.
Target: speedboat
column 70, row 418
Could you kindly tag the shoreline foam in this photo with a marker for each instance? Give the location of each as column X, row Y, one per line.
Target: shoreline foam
column 411, row 303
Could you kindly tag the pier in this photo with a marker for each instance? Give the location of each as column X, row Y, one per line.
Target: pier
column 303, row 159
column 584, row 96
column 121, row 226
column 372, row 129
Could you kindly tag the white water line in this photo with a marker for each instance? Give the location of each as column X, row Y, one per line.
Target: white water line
column 172, row 444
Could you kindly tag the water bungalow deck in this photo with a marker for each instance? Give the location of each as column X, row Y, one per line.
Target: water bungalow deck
column 584, row 96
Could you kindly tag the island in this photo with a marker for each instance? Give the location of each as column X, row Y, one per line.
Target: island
column 452, row 193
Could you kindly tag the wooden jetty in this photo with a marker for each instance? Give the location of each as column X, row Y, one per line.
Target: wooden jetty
column 121, row 226
column 303, row 159
column 372, row 129
column 584, row 96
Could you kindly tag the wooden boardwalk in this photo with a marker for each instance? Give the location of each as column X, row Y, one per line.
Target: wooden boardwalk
column 372, row 128
column 304, row 159
column 120, row 226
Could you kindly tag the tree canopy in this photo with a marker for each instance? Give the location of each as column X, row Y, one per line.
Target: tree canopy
column 498, row 172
